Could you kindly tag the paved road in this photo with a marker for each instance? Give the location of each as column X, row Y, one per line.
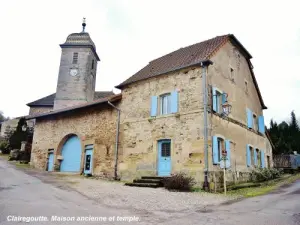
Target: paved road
column 281, row 207
column 40, row 197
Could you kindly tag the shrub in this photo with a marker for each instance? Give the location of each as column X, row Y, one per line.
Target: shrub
column 265, row 174
column 179, row 182
column 4, row 147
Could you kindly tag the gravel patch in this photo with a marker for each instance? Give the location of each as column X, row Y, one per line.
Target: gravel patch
column 117, row 195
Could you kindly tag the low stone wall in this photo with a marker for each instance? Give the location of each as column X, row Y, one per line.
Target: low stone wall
column 216, row 178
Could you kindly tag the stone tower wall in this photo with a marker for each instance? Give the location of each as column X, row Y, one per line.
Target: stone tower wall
column 73, row 90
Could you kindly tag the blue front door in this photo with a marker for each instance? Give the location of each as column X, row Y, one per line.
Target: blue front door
column 88, row 159
column 164, row 158
column 71, row 153
column 50, row 161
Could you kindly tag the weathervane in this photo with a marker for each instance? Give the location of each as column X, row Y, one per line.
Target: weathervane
column 83, row 25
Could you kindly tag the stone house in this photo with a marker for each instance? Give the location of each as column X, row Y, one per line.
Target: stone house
column 163, row 128
column 8, row 126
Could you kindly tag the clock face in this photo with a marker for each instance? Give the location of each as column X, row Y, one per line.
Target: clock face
column 73, row 72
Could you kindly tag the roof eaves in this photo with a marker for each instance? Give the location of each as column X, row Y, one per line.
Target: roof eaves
column 238, row 43
column 256, row 86
column 40, row 105
column 248, row 57
column 268, row 136
column 98, row 101
column 205, row 62
column 80, row 45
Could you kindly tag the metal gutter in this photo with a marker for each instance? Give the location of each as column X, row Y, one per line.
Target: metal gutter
column 204, row 66
column 117, row 141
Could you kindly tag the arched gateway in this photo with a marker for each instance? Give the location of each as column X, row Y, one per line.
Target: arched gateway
column 71, row 153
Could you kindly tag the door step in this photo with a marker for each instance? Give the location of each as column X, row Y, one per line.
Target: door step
column 152, row 178
column 147, row 181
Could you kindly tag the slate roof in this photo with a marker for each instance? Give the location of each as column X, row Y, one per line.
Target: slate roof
column 189, row 56
column 82, row 38
column 111, row 98
column 49, row 100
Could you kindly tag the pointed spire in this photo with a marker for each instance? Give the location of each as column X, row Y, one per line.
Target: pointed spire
column 83, row 25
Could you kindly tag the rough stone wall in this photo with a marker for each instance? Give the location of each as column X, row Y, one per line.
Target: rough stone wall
column 219, row 76
column 236, row 130
column 95, row 126
column 39, row 110
column 72, row 90
column 140, row 132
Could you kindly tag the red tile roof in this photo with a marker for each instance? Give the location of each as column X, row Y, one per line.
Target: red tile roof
column 181, row 58
column 189, row 56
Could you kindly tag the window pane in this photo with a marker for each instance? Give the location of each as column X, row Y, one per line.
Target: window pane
column 165, row 104
column 219, row 102
column 165, row 149
column 169, row 104
column 219, row 149
column 162, row 100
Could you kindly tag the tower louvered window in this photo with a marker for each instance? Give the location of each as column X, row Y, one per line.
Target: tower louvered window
column 75, row 57
column 92, row 64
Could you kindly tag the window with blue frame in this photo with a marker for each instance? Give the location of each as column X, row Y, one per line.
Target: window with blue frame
column 220, row 147
column 258, row 160
column 165, row 104
column 219, row 98
column 255, row 157
column 219, row 102
column 252, row 156
column 254, row 122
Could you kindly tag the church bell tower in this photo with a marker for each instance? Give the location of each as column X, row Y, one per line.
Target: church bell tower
column 77, row 70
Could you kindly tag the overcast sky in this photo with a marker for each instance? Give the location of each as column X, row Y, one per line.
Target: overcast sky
column 129, row 34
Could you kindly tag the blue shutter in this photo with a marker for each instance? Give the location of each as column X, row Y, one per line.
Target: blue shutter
column 262, row 158
column 174, row 102
column 215, row 104
column 248, row 155
column 261, row 124
column 255, row 157
column 227, row 148
column 215, row 149
column 249, row 118
column 224, row 98
column 153, row 111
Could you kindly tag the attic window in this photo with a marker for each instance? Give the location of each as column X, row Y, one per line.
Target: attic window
column 246, row 86
column 231, row 73
column 75, row 57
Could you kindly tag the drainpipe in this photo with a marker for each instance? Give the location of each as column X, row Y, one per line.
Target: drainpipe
column 117, row 141
column 204, row 66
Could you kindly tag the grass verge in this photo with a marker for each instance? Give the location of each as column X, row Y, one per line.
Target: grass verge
column 265, row 187
column 22, row 165
column 4, row 156
column 197, row 189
